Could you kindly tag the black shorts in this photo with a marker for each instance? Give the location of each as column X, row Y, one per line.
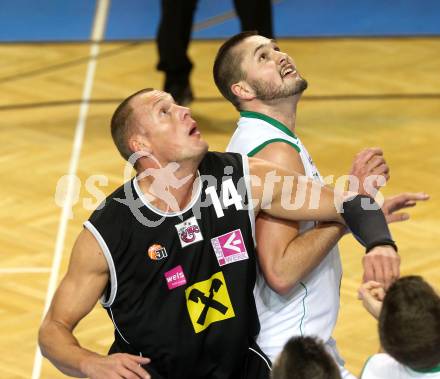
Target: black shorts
column 257, row 364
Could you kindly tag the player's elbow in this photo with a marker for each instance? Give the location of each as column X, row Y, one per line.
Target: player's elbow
column 47, row 334
column 43, row 338
column 281, row 289
column 279, row 283
column 280, row 275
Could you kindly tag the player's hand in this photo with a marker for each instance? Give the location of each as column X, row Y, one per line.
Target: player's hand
column 381, row 264
column 401, row 201
column 116, row 366
column 366, row 163
column 372, row 294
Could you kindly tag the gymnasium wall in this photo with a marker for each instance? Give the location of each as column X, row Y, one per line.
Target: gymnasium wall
column 71, row 20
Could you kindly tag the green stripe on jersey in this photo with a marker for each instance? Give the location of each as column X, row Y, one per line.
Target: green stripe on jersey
column 264, row 144
column 270, row 120
column 304, row 308
column 434, row 369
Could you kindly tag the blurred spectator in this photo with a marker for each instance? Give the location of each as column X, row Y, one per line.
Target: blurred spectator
column 409, row 329
column 305, row 358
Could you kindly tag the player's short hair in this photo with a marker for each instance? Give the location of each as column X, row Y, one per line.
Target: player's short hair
column 227, row 66
column 409, row 323
column 304, row 358
column 120, row 125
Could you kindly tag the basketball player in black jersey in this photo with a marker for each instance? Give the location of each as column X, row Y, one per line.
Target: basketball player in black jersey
column 178, row 285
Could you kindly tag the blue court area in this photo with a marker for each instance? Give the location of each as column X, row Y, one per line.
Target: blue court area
column 71, row 20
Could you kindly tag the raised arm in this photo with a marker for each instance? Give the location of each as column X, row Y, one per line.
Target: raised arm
column 291, row 196
column 286, row 256
column 316, row 202
column 77, row 294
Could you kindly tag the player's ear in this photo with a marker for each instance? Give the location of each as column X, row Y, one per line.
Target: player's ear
column 139, row 144
column 243, row 90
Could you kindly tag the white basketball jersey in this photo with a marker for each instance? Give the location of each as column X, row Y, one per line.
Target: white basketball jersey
column 383, row 366
column 311, row 307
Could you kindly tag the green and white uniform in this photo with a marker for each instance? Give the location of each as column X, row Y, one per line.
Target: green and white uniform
column 383, row 366
column 311, row 307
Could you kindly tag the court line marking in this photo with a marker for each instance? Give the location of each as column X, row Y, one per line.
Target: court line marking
column 219, row 98
column 24, row 270
column 99, row 24
column 72, row 63
column 198, row 26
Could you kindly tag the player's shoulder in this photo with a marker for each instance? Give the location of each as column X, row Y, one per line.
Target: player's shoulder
column 379, row 366
column 116, row 205
column 283, row 154
column 278, row 147
column 257, row 131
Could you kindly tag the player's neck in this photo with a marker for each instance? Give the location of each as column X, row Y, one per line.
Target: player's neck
column 166, row 184
column 282, row 110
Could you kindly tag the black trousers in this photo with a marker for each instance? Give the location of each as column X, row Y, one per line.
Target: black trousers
column 175, row 27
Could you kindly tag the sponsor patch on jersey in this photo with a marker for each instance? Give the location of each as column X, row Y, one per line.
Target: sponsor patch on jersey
column 229, row 247
column 189, row 232
column 208, row 302
column 157, row 252
column 175, row 277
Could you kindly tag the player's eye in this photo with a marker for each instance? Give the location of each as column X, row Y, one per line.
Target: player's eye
column 262, row 57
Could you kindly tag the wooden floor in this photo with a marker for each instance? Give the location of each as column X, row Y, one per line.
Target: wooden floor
column 362, row 92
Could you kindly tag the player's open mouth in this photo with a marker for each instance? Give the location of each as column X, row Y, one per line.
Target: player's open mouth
column 193, row 131
column 288, row 70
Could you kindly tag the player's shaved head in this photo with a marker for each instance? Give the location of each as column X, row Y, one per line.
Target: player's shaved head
column 121, row 125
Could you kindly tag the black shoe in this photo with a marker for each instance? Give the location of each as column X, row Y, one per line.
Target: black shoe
column 182, row 94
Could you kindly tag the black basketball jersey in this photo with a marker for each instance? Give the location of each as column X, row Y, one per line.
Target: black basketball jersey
column 181, row 288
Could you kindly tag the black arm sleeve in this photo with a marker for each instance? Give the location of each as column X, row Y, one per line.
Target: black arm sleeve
column 367, row 222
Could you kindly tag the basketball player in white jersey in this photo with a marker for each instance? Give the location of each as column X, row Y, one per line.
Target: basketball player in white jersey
column 298, row 291
column 409, row 324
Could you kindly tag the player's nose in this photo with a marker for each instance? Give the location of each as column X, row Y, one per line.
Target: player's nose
column 282, row 57
column 184, row 112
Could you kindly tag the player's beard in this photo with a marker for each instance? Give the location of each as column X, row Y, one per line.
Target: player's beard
column 267, row 91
